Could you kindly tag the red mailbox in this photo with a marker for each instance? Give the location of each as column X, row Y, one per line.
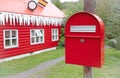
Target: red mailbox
column 84, row 40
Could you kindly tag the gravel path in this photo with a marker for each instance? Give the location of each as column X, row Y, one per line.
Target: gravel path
column 45, row 65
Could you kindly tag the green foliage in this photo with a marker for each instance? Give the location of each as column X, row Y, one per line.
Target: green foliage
column 109, row 11
column 118, row 43
column 57, row 3
column 61, row 42
column 68, row 8
column 71, row 8
column 111, row 43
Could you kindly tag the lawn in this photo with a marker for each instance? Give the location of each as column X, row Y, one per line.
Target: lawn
column 111, row 68
column 19, row 65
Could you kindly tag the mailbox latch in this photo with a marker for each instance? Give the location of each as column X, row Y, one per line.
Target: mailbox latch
column 82, row 40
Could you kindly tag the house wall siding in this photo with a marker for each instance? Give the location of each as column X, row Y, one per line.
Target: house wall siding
column 24, row 45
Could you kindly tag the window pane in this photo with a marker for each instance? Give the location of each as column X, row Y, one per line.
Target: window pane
column 14, row 42
column 55, row 31
column 37, row 39
column 41, row 31
column 33, row 40
column 41, row 39
column 14, row 33
column 7, row 43
column 53, row 37
column 7, row 34
column 38, row 32
column 33, row 33
column 56, row 37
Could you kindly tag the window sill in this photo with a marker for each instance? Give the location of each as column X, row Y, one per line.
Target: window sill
column 37, row 43
column 11, row 47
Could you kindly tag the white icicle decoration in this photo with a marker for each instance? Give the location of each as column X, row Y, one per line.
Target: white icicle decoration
column 6, row 17
column 17, row 18
column 28, row 20
column 44, row 22
column 13, row 19
column 2, row 19
column 20, row 19
column 37, row 21
column 10, row 17
column 23, row 19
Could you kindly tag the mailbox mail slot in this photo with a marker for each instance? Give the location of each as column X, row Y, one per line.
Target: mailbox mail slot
column 83, row 28
column 84, row 40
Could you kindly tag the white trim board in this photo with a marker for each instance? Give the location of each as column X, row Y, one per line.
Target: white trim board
column 27, row 54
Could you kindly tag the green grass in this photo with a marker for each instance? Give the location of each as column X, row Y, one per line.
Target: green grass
column 111, row 68
column 19, row 65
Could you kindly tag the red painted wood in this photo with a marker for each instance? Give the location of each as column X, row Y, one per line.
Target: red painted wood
column 24, row 40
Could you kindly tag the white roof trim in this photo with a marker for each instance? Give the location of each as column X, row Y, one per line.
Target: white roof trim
column 23, row 19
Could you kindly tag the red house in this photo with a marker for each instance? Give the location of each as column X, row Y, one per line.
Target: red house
column 28, row 26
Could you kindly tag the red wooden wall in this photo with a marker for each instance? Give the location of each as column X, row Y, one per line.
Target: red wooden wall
column 24, row 40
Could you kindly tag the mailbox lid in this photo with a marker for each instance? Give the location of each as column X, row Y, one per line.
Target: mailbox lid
column 84, row 24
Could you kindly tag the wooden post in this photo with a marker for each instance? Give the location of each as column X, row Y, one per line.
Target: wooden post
column 87, row 71
column 89, row 6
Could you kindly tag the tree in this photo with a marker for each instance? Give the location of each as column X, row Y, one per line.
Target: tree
column 58, row 4
column 89, row 6
column 116, row 22
column 109, row 11
column 68, row 8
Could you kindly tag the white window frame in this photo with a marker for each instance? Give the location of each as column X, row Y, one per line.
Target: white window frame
column 55, row 34
column 11, row 46
column 37, row 31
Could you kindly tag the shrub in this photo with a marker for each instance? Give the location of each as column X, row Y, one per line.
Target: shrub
column 61, row 42
column 117, row 45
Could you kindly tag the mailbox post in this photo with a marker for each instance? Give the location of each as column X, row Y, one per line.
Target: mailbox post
column 84, row 40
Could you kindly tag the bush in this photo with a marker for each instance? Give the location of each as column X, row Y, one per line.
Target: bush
column 61, row 42
column 114, row 43
column 117, row 46
column 109, row 11
column 111, row 43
